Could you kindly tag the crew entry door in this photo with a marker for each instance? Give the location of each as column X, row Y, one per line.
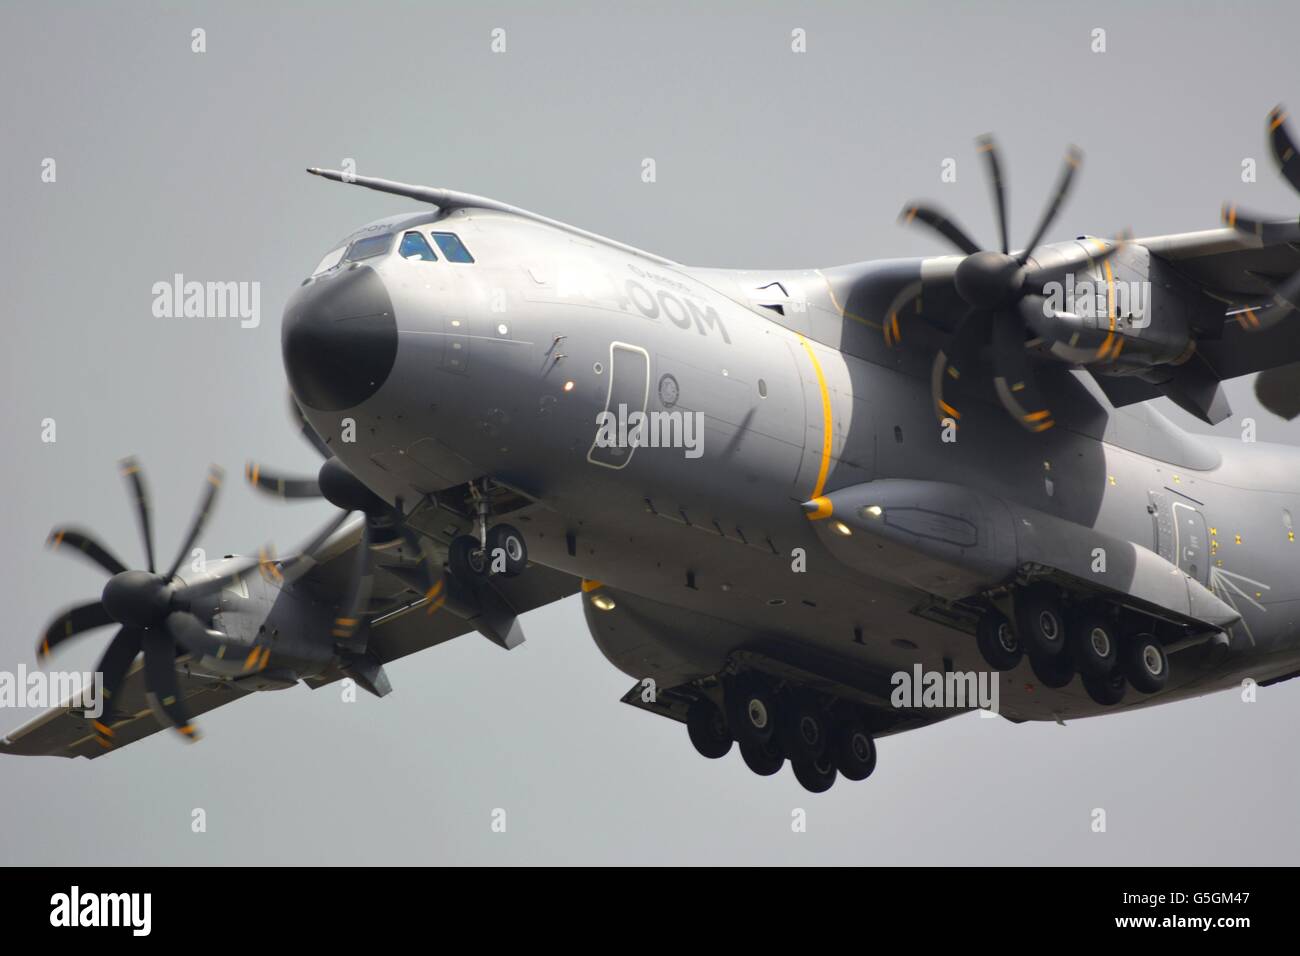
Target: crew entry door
column 1190, row 540
column 1180, row 532
column 629, row 389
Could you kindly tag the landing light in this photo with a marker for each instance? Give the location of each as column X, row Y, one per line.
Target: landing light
column 842, row 528
column 603, row 602
column 872, row 511
column 568, row 386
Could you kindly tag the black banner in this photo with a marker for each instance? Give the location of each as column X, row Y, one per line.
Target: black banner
column 979, row 904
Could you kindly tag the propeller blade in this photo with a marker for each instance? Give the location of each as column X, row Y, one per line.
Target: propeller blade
column 959, row 356
column 190, row 634
column 201, row 589
column 86, row 544
column 305, row 559
column 1013, row 380
column 1252, row 224
column 215, row 476
column 73, row 621
column 989, row 150
column 114, row 665
column 279, row 485
column 1039, row 276
column 307, row 431
column 135, row 478
column 160, row 682
column 353, row 622
column 432, row 575
column 1284, row 148
column 890, row 327
column 1286, row 299
column 940, row 224
column 1278, row 390
column 1073, row 158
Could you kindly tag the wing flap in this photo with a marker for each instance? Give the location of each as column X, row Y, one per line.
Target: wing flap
column 65, row 732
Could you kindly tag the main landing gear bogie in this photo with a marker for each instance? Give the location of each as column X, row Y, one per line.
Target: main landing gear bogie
column 820, row 737
column 1109, row 648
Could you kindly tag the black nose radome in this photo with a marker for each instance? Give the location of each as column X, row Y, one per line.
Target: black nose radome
column 339, row 339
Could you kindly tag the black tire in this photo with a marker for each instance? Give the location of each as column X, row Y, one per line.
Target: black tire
column 1108, row 690
column 505, row 544
column 1040, row 623
column 708, row 729
column 751, row 711
column 1054, row 672
column 1145, row 663
column 854, row 751
column 805, row 731
column 764, row 759
column 997, row 641
column 1094, row 644
column 816, row 775
column 465, row 559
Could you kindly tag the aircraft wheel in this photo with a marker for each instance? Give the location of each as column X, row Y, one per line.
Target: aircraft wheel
column 764, row 759
column 1054, row 672
column 1040, row 624
column 816, row 775
column 505, row 543
column 1145, row 663
column 751, row 711
column 997, row 641
column 804, row 731
column 708, row 729
column 1107, row 690
column 465, row 558
column 1094, row 644
column 853, row 750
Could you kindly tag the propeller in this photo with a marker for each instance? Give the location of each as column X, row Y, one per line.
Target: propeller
column 152, row 609
column 1278, row 389
column 1285, row 297
column 385, row 526
column 1003, row 294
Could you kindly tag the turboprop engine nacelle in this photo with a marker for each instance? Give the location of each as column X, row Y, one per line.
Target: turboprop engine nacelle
column 1111, row 315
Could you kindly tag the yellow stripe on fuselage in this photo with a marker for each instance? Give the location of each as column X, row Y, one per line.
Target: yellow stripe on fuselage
column 825, row 466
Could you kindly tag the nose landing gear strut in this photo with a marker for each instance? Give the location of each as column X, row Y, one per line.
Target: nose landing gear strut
column 499, row 549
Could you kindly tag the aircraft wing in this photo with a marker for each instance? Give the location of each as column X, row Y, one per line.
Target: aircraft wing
column 404, row 621
column 64, row 732
column 414, row 630
column 1239, row 269
column 403, row 626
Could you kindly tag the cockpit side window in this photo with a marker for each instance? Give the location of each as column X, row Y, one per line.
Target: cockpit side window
column 415, row 246
column 369, row 247
column 330, row 261
column 453, row 249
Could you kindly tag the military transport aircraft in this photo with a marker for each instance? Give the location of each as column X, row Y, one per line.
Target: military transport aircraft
column 941, row 461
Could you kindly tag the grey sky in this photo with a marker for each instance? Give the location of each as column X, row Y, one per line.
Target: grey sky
column 170, row 161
